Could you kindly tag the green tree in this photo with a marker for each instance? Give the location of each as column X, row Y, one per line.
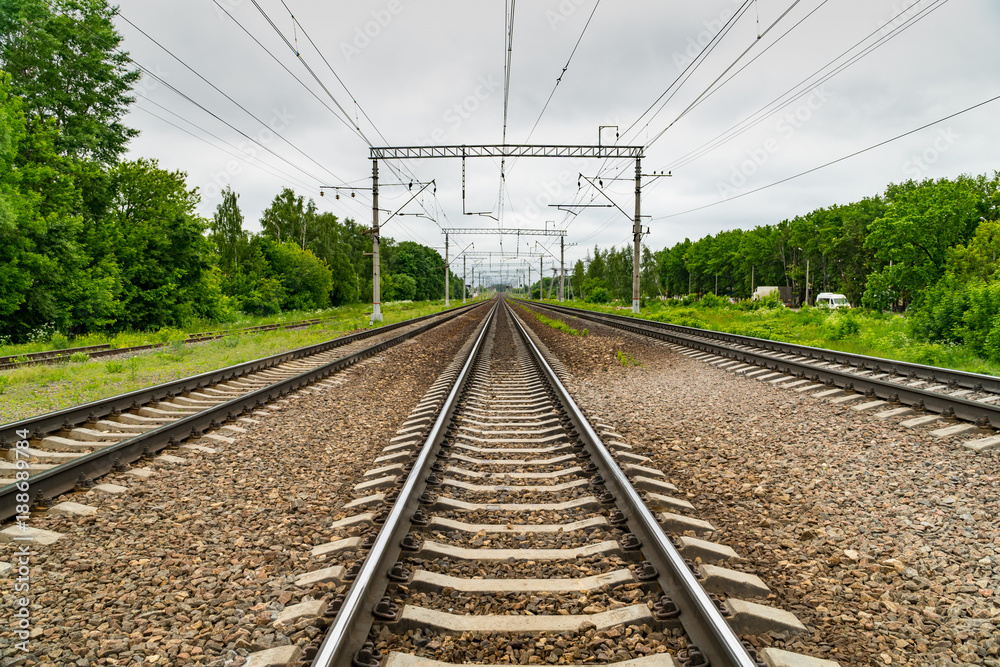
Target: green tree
column 228, row 233
column 67, row 68
column 165, row 258
column 305, row 278
column 921, row 221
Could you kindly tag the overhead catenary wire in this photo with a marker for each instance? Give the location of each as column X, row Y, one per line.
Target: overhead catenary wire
column 808, row 84
column 226, row 95
column 282, row 65
column 186, row 97
column 563, row 72
column 709, row 89
column 263, row 166
column 833, row 162
column 393, row 168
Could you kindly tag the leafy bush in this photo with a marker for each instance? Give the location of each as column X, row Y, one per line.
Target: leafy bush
column 59, row 341
column 78, row 357
column 841, row 325
column 712, row 301
column 114, row 366
column 599, row 295
column 167, row 335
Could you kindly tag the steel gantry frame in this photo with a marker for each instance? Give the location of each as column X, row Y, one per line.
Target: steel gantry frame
column 462, row 152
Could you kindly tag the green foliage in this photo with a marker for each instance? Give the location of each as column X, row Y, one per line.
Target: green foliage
column 305, row 279
column 842, row 324
column 164, row 256
column 79, row 357
column 921, row 222
column 66, row 66
column 712, row 301
column 59, row 341
column 114, row 366
column 555, row 324
column 227, row 232
column 598, row 295
column 625, row 360
column 398, row 287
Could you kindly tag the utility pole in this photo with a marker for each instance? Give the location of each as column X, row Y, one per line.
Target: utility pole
column 463, row 279
column 553, row 283
column 531, row 292
column 447, row 272
column 637, row 236
column 807, row 281
column 541, row 277
column 562, row 269
column 376, row 272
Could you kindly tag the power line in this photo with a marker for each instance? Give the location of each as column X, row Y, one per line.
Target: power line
column 283, row 66
column 832, row 162
column 705, row 93
column 807, row 84
column 309, row 69
column 265, row 167
column 693, row 65
column 170, row 87
column 396, row 171
column 563, row 72
column 224, row 94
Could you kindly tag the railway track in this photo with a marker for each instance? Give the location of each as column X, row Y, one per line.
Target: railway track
column 68, row 449
column 952, row 403
column 97, row 351
column 500, row 526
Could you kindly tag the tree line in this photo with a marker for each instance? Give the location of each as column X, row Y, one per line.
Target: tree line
column 90, row 241
column 928, row 248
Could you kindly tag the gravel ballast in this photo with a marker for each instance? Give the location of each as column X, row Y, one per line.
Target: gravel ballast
column 194, row 564
column 882, row 540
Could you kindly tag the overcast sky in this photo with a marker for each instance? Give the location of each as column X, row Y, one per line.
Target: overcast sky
column 432, row 72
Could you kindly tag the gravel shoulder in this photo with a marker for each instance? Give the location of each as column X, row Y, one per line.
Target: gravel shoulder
column 193, row 565
column 884, row 542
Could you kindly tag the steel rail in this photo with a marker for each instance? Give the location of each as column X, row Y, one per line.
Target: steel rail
column 963, row 379
column 70, row 417
column 67, row 476
column 350, row 627
column 700, row 618
column 982, row 414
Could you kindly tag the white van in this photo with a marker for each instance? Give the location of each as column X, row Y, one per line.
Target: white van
column 831, row 300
